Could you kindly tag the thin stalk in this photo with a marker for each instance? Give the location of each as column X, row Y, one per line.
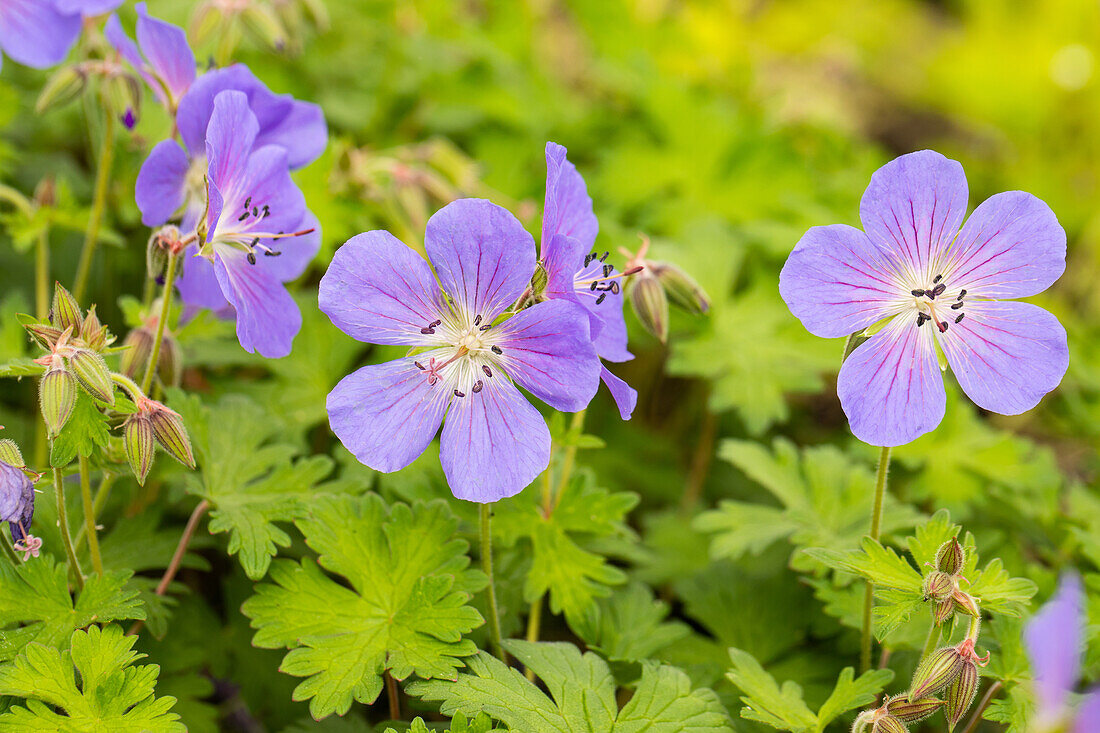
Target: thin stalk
column 177, row 557
column 9, row 551
column 986, row 699
column 98, row 503
column 931, row 642
column 534, row 619
column 166, row 303
column 548, row 486
column 391, row 695
column 487, row 566
column 876, row 528
column 63, row 526
column 575, row 426
column 89, row 515
column 42, row 273
column 99, row 201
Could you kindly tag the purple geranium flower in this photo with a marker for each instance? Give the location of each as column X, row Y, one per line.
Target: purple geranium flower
column 39, row 33
column 259, row 233
column 16, row 501
column 161, row 55
column 934, row 287
column 576, row 273
column 494, row 442
column 1055, row 643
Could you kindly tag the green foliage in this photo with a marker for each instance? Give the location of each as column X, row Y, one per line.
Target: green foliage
column 582, row 694
column 405, row 612
column 629, row 626
column 107, row 691
column 84, row 432
column 459, row 724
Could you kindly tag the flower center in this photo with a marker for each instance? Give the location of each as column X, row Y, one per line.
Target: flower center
column 472, row 362
column 936, row 304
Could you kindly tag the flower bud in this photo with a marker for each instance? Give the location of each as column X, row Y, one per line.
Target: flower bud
column 63, row 86
column 65, row 312
column 965, row 603
column 648, row 300
column 204, row 22
column 93, row 332
column 56, row 395
column 888, row 724
column 936, row 672
column 264, row 23
column 943, row 610
column 43, row 335
column 318, row 13
column 950, row 557
column 680, row 287
column 137, row 439
column 138, row 346
column 938, row 586
column 911, row 712
column 170, row 363
column 156, row 253
column 169, row 431
column 960, row 694
column 92, row 373
column 9, row 454
column 45, row 193
column 123, row 94
column 539, row 280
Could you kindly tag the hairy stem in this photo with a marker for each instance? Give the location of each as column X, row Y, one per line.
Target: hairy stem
column 986, row 699
column 166, row 304
column 487, row 566
column 63, row 526
column 931, row 643
column 533, row 622
column 876, row 528
column 89, row 515
column 9, row 551
column 42, row 274
column 575, row 426
column 177, row 556
column 100, row 501
column 99, row 201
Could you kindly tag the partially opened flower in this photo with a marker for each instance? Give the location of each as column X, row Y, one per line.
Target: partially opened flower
column 494, row 442
column 39, row 33
column 16, row 502
column 161, row 55
column 576, row 273
column 928, row 286
column 1055, row 641
column 258, row 233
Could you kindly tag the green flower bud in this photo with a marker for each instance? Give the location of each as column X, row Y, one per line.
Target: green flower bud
column 93, row 332
column 681, row 287
column 171, row 434
column 648, row 300
column 9, row 454
column 65, row 311
column 138, row 348
column 43, row 335
column 137, row 439
column 204, row 22
column 264, row 23
column 939, row 586
column 56, row 395
column 92, row 373
column 911, row 712
column 63, row 86
column 123, row 94
column 960, row 694
column 156, row 251
column 950, row 557
column 937, row 671
column 318, row 13
column 943, row 610
column 170, row 363
column 889, row 724
column 539, row 280
column 965, row 603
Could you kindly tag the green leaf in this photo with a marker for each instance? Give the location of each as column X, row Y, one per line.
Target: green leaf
column 574, row 576
column 582, row 694
column 765, row 701
column 406, row 609
column 851, row 693
column 630, row 625
column 21, row 367
column 35, row 604
column 998, row 592
column 881, row 565
column 112, row 694
column 929, row 537
column 84, row 432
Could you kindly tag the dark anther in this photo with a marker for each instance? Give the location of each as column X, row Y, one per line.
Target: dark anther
column 942, row 326
column 922, row 317
column 478, row 386
column 267, row 211
column 939, row 289
column 918, row 293
column 962, row 294
column 434, row 323
column 604, row 256
column 254, row 242
column 243, row 216
column 486, row 327
column 248, row 203
column 588, row 259
column 959, row 319
column 600, row 299
column 956, row 306
column 497, row 350
column 936, row 279
column 929, row 294
column 477, row 319
column 485, row 368
column 427, row 331
column 593, row 286
column 271, row 253
column 251, row 258
column 459, row 394
column 607, row 270
column 418, row 365
column 615, row 287
column 255, row 211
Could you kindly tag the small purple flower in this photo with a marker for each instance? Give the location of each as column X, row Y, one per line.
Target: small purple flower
column 576, row 273
column 259, row 233
column 16, row 501
column 494, row 442
column 39, row 33
column 161, row 56
column 1055, row 644
column 934, row 287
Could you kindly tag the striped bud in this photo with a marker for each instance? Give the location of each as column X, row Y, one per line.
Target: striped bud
column 911, row 712
column 93, row 332
column 170, row 433
column 889, row 724
column 950, row 557
column 170, row 363
column 137, row 439
column 65, row 311
column 960, row 694
column 44, row 335
column 943, row 610
column 937, row 671
column 264, row 23
column 648, row 300
column 139, row 347
column 9, row 453
column 62, row 87
column 56, row 395
column 681, row 287
column 539, row 280
column 92, row 373
column 938, row 586
column 965, row 603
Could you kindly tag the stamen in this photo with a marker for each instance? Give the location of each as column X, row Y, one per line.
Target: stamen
column 939, row 289
column 488, row 372
column 921, row 318
column 600, row 299
column 251, row 258
column 478, row 386
column 459, row 394
column 486, row 327
column 607, row 270
column 248, row 203
column 271, row 253
column 255, row 211
column 497, row 350
column 593, row 286
column 959, row 319
column 956, row 306
column 942, row 325
column 588, row 259
column 615, row 287
column 603, row 257
column 427, row 331
column 936, row 279
column 917, row 293
column 477, row 319
column 962, row 294
column 267, row 212
column 243, row 216
column 418, row 365
column 434, row 323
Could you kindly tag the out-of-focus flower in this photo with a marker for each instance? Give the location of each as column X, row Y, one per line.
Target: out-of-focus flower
column 161, row 55
column 17, row 503
column 39, row 33
column 494, row 442
column 926, row 286
column 577, row 274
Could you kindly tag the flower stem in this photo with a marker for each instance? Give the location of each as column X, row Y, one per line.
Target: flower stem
column 63, row 526
column 986, row 699
column 177, row 556
column 101, row 495
column 931, row 642
column 392, row 697
column 42, row 274
column 89, row 515
column 166, row 304
column 487, row 566
column 575, row 426
column 99, row 201
column 876, row 528
column 533, row 622
column 10, row 552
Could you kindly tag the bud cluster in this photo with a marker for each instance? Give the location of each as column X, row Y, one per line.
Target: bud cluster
column 942, row 586
column 121, row 89
column 276, row 24
column 655, row 284
column 154, row 424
